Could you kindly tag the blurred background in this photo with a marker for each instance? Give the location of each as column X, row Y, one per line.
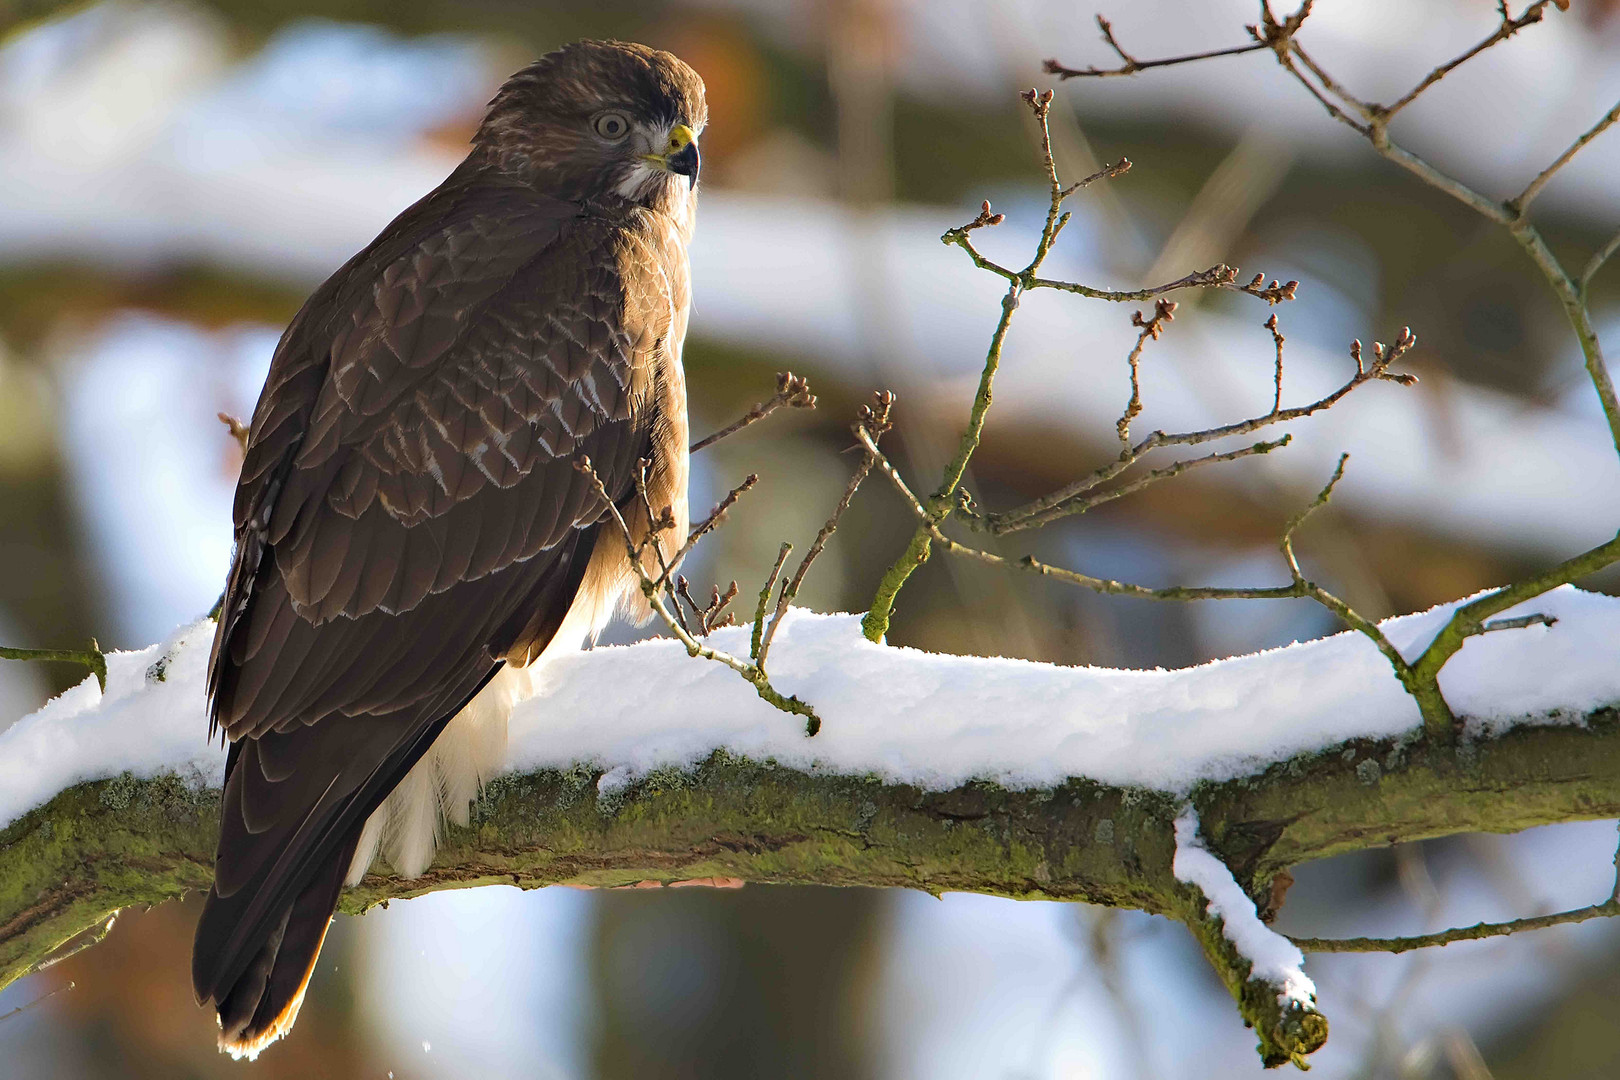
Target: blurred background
column 176, row 177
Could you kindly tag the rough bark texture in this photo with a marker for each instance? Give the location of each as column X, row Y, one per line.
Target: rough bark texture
column 97, row 847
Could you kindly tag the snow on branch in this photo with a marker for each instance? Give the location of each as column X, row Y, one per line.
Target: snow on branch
column 1273, row 958
column 934, row 772
column 1267, row 965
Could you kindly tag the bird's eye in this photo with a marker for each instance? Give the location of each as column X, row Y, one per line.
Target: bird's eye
column 612, row 126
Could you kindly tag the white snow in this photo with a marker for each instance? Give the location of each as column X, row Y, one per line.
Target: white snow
column 1274, row 958
column 142, row 724
column 903, row 715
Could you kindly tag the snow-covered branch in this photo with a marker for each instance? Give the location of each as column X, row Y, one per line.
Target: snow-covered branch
column 933, row 772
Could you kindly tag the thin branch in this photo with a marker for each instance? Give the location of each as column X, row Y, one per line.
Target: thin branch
column 1096, row 584
column 791, row 390
column 1469, row 620
column 1163, row 312
column 708, row 524
column 1571, row 293
column 1130, row 65
column 753, row 673
column 658, row 521
column 1107, row 172
column 239, row 431
column 1520, row 622
column 1573, row 300
column 1310, row 508
column 757, row 645
column 1368, row 110
column 1595, row 263
column 92, row 658
column 713, row 615
column 1277, row 340
column 1089, row 500
column 1521, row 202
column 875, row 418
column 1045, row 508
column 1343, row 611
column 1508, row 27
column 1606, row 909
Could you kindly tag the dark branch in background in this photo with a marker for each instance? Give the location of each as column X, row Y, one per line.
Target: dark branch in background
column 791, row 390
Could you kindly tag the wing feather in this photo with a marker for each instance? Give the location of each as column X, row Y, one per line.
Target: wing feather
column 407, row 510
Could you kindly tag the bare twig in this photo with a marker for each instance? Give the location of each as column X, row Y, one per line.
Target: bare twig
column 946, row 497
column 1521, row 202
column 1081, row 502
column 1506, row 29
column 1130, row 65
column 1074, row 495
column 1096, row 584
column 753, row 673
column 757, row 646
column 1519, row 622
column 1278, row 340
column 1606, row 909
column 873, row 418
column 92, row 658
column 708, row 524
column 791, row 390
column 1348, row 615
column 1163, row 312
column 1595, row 263
column 711, row 616
column 239, row 431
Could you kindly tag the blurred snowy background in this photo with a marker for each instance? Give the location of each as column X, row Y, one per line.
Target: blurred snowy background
column 175, row 178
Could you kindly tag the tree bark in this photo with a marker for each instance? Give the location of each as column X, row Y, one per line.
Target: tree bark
column 65, row 867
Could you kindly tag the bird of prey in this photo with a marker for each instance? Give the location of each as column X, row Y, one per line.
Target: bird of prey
column 411, row 532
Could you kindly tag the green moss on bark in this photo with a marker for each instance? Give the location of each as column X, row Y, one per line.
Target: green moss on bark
column 100, row 846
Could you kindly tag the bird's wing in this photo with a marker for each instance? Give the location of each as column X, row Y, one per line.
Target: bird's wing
column 408, row 508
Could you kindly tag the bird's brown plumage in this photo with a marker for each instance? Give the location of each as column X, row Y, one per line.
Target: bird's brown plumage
column 408, row 517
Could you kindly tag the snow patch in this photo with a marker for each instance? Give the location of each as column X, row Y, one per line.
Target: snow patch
column 149, row 722
column 1273, row 958
column 899, row 714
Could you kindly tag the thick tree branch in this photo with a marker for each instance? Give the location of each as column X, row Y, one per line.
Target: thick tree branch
column 67, row 866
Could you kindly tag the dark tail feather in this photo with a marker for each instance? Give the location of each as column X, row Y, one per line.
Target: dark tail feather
column 261, row 1005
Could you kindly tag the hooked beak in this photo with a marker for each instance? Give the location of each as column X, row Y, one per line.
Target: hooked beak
column 680, row 156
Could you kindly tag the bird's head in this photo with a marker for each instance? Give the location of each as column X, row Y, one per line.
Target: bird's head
column 600, row 119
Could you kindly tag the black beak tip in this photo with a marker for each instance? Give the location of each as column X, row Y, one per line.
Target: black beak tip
column 685, row 162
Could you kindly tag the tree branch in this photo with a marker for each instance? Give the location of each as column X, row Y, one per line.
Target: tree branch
column 92, row 658
column 67, row 866
column 791, row 390
column 1130, row 65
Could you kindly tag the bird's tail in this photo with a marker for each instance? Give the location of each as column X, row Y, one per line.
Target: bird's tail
column 260, row 1006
